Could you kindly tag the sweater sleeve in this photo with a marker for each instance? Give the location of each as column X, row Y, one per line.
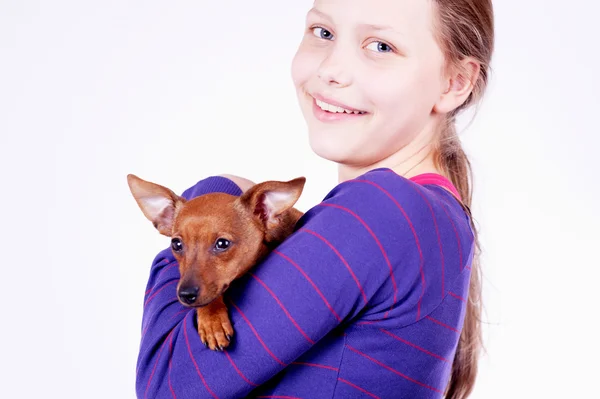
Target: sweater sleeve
column 342, row 262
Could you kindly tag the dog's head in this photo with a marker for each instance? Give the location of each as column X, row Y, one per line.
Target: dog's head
column 216, row 237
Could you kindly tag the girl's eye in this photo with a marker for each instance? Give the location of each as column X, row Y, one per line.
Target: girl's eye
column 380, row 47
column 322, row 33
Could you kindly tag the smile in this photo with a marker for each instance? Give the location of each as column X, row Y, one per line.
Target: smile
column 335, row 109
column 325, row 111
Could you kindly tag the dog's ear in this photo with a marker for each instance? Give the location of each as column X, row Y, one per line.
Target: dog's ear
column 268, row 200
column 158, row 203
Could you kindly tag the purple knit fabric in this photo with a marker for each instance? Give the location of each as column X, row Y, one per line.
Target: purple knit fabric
column 366, row 299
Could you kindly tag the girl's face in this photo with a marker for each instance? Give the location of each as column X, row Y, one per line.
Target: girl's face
column 368, row 74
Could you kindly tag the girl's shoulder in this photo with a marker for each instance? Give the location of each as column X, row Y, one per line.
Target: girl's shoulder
column 410, row 239
column 382, row 192
column 401, row 217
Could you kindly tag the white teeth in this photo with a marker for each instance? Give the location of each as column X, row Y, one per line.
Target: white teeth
column 332, row 108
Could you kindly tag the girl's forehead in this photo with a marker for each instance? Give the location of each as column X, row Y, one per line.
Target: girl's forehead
column 406, row 17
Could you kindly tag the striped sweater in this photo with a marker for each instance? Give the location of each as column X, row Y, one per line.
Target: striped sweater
column 366, row 299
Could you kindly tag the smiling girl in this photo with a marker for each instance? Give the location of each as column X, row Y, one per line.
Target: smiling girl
column 377, row 292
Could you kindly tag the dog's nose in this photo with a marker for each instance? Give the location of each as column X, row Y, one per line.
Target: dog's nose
column 188, row 294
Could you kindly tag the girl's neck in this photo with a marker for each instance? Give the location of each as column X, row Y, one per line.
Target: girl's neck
column 411, row 160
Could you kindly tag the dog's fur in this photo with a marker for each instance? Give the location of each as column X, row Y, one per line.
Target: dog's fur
column 216, row 238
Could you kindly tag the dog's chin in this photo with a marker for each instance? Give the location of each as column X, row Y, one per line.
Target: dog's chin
column 202, row 303
column 198, row 305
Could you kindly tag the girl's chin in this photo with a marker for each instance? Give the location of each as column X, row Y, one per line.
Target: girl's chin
column 342, row 150
column 332, row 149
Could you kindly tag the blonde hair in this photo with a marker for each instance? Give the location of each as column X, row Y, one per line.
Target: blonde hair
column 464, row 28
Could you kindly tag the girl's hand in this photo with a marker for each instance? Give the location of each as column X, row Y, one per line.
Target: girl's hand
column 243, row 184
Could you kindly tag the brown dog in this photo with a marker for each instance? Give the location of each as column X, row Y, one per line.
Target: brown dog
column 216, row 238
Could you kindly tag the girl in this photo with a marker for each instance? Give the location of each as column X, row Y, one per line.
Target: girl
column 376, row 294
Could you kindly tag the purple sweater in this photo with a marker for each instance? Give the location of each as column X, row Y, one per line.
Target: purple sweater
column 366, row 299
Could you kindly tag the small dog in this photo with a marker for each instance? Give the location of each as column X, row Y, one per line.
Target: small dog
column 216, row 238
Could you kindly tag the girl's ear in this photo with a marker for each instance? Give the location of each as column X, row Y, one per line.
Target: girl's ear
column 459, row 84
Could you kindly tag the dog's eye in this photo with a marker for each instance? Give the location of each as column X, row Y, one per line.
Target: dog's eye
column 222, row 244
column 176, row 244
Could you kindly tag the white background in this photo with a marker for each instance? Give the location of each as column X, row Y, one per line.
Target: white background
column 175, row 91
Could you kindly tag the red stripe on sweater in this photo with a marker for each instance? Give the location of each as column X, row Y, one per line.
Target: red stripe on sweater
column 342, row 259
column 156, row 363
column 412, row 228
column 316, row 365
column 159, row 290
column 238, row 370
column 437, row 233
column 170, row 361
column 181, row 311
column 162, row 271
column 194, row 360
column 442, row 324
column 256, row 333
column 311, row 283
column 279, row 396
column 378, row 244
column 457, row 237
column 367, row 322
column 457, row 296
column 283, row 308
column 160, row 310
column 359, row 388
column 392, row 370
column 413, row 345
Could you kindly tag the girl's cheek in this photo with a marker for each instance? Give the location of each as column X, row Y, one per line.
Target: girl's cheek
column 304, row 65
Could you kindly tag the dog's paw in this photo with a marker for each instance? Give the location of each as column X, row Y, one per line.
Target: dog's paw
column 215, row 329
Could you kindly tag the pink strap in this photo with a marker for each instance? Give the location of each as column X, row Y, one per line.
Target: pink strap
column 434, row 178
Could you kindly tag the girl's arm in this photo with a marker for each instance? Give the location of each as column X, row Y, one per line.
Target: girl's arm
column 242, row 183
column 348, row 253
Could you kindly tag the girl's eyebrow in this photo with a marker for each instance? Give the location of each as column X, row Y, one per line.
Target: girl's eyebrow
column 373, row 27
column 382, row 28
column 320, row 13
column 379, row 27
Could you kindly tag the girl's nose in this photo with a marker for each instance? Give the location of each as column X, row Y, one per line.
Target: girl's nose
column 333, row 71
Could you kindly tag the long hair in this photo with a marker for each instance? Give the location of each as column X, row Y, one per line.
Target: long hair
column 464, row 28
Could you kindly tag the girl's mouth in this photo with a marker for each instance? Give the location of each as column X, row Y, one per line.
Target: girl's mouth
column 327, row 112
column 335, row 109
